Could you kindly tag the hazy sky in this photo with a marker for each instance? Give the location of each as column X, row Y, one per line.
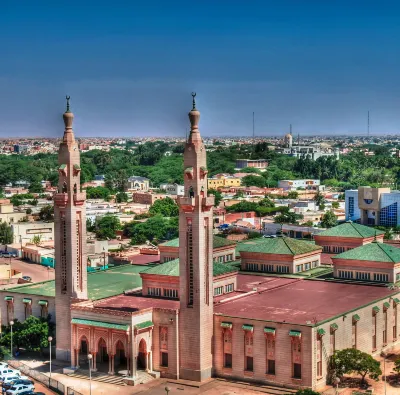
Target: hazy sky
column 130, row 66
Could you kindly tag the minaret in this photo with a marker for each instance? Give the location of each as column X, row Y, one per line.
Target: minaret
column 195, row 260
column 70, row 237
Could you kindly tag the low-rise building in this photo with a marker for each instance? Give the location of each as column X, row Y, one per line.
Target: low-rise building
column 147, row 197
column 138, row 183
column 293, row 185
column 260, row 164
column 23, row 231
column 223, row 181
column 173, row 189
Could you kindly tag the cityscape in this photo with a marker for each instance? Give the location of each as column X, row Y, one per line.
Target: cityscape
column 201, row 238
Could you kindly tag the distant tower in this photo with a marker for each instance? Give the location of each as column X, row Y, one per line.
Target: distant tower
column 288, row 139
column 70, row 237
column 195, row 260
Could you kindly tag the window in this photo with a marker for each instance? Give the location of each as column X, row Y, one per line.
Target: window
column 44, row 311
column 221, row 259
column 297, row 370
column 282, row 269
column 388, row 215
column 168, row 258
column 164, row 345
column 381, row 277
column 345, row 274
column 296, row 357
column 252, row 267
column 394, row 321
column 28, row 310
column 164, row 359
column 351, row 206
column 229, row 288
column 314, row 264
column 271, row 367
column 227, row 360
column 267, row 268
column 374, row 331
column 218, row 291
column 397, row 276
column 354, row 335
column 171, row 293
column 338, row 249
column 307, row 266
column 154, row 291
column 249, row 364
column 319, row 357
column 326, row 249
column 332, row 341
column 227, row 335
column 270, row 339
column 384, row 334
column 362, row 276
column 299, row 268
column 248, row 338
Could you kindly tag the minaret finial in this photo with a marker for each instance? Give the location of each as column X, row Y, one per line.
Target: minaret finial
column 68, row 99
column 194, row 100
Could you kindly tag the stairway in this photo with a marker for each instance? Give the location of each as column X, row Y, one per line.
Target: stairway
column 83, row 374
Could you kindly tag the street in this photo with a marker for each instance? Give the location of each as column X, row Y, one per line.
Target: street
column 35, row 271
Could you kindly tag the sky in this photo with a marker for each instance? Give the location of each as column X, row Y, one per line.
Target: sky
column 130, row 66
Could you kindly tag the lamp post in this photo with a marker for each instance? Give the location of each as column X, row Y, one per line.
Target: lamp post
column 11, row 326
column 90, row 357
column 384, row 368
column 50, row 339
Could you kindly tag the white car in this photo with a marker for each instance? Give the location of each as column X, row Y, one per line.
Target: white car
column 8, row 372
column 10, row 379
column 3, row 365
column 19, row 388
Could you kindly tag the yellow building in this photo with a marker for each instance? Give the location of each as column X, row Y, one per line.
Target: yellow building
column 221, row 181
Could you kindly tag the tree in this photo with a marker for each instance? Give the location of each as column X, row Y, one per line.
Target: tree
column 397, row 365
column 46, row 213
column 329, row 219
column 266, row 202
column 121, row 197
column 165, row 207
column 37, row 239
column 239, row 194
column 335, row 205
column 6, row 234
column 217, row 196
column 308, row 223
column 306, row 391
column 253, row 181
column 35, row 187
column 351, row 360
column 98, row 193
column 293, row 195
column 106, row 227
column 319, row 198
column 288, row 217
column 254, row 235
column 29, row 211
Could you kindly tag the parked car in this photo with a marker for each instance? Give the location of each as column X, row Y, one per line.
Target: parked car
column 3, row 365
column 8, row 255
column 14, row 380
column 6, row 372
column 27, row 278
column 20, row 388
column 32, row 393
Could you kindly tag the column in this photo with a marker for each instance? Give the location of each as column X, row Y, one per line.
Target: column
column 77, row 357
column 110, row 364
column 133, row 357
column 94, row 363
column 150, row 361
column 73, row 359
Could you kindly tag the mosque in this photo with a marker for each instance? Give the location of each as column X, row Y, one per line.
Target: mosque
column 247, row 312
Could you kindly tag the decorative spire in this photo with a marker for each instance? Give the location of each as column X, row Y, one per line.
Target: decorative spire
column 68, row 99
column 194, row 101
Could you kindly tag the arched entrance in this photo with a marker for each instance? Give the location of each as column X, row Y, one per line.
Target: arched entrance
column 102, row 356
column 142, row 355
column 120, row 357
column 83, row 352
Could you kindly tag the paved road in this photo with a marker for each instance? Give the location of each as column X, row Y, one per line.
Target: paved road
column 37, row 272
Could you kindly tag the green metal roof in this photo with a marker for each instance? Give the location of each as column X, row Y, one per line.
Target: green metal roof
column 356, row 317
column 321, row 331
column 386, row 305
column 334, row 326
column 102, row 284
column 269, row 330
column 171, row 268
column 295, row 333
column 351, row 229
column 100, row 324
column 26, row 300
column 144, row 325
column 9, row 298
column 62, row 167
column 43, row 302
column 218, row 242
column 376, row 252
column 226, row 325
column 396, row 300
column 247, row 327
column 376, row 309
column 278, row 245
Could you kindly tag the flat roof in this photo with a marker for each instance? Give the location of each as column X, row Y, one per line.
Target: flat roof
column 134, row 303
column 300, row 301
column 101, row 284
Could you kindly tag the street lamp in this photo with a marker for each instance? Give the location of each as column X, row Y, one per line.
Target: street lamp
column 90, row 357
column 384, row 367
column 11, row 325
column 50, row 339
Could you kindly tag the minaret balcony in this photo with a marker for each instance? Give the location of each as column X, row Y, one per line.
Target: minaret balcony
column 186, row 203
column 79, row 198
column 207, row 203
column 61, row 199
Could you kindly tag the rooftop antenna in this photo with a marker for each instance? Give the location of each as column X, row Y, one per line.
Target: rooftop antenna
column 368, row 125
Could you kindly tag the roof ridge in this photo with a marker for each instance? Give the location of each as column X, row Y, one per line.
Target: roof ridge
column 352, row 224
column 284, row 239
column 381, row 247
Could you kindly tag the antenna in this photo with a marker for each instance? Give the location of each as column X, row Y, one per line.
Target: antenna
column 368, row 125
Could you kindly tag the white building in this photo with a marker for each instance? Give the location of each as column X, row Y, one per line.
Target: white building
column 173, row 189
column 292, row 185
column 26, row 231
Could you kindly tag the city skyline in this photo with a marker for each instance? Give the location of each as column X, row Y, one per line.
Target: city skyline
column 130, row 69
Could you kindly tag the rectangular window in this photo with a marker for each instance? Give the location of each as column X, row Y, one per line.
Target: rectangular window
column 345, row 274
column 332, row 342
column 218, row 291
column 382, row 277
column 249, row 364
column 299, row 268
column 314, row 264
column 154, row 291
column 170, row 293
column 164, row 359
column 394, row 318
column 354, row 335
column 362, row 276
column 384, row 334
column 229, row 288
column 271, row 367
column 267, row 268
column 270, row 354
column 307, row 266
column 252, row 267
column 282, row 269
column 297, row 370
column 227, row 360
column 374, row 332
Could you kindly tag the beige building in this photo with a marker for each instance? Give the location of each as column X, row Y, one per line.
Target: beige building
column 26, row 231
column 7, row 213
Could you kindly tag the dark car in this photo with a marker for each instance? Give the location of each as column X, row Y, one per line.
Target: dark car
column 7, row 386
column 8, row 255
column 27, row 278
column 32, row 393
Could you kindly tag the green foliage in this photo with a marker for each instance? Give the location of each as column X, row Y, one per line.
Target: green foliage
column 165, row 207
column 319, row 199
column 293, row 195
column 242, row 207
column 6, row 234
column 121, row 197
column 98, row 193
column 106, row 227
column 238, row 195
column 351, row 360
column 155, row 229
column 37, row 239
column 306, row 391
column 335, row 205
column 329, row 219
column 46, row 213
column 29, row 211
column 217, row 196
column 288, row 217
column 396, row 367
column 266, row 202
column 32, row 334
column 35, row 187
column 254, row 235
column 253, row 181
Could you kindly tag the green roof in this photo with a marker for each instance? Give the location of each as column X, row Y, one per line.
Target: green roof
column 144, row 325
column 43, row 302
column 396, row 300
column 334, row 326
column 278, row 245
column 247, row 327
column 376, row 252
column 376, row 309
column 100, row 324
column 226, row 325
column 8, row 298
column 321, row 331
column 295, row 333
column 171, row 268
column 269, row 330
column 351, row 229
column 386, row 305
column 26, row 300
column 356, row 317
column 218, row 242
column 102, row 284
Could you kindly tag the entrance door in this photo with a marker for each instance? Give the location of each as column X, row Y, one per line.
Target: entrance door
column 142, row 355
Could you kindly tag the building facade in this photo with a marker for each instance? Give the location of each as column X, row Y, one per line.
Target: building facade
column 293, row 185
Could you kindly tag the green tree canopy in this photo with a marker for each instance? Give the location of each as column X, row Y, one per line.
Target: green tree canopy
column 253, row 181
column 165, row 207
column 293, row 195
column 329, row 219
column 121, row 197
column 46, row 213
column 6, row 234
column 106, row 227
column 98, row 193
column 217, row 196
column 35, row 187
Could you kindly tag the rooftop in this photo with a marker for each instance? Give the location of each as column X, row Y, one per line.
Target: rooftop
column 353, row 230
column 376, row 252
column 171, row 268
column 100, row 284
column 278, row 245
column 218, row 242
column 300, row 301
